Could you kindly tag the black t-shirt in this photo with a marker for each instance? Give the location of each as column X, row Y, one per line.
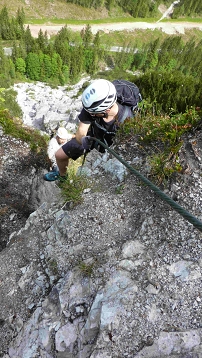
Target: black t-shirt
column 86, row 118
column 104, row 131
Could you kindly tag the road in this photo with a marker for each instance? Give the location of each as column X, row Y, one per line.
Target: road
column 167, row 27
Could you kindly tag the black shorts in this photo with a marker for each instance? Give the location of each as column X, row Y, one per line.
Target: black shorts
column 73, row 149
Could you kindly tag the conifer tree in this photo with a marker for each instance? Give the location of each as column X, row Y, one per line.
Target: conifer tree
column 110, row 4
column 41, row 41
column 33, row 67
column 11, row 68
column 87, row 36
column 20, row 19
column 47, row 66
column 152, row 54
column 50, row 50
column 20, row 65
column 15, row 51
column 77, row 62
column 22, row 50
column 28, row 40
column 62, row 45
column 98, row 50
column 5, row 24
column 96, row 41
column 56, row 64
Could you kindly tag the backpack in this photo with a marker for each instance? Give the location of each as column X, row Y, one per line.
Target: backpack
column 128, row 93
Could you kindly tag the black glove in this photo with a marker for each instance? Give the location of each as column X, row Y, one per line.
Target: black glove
column 86, row 142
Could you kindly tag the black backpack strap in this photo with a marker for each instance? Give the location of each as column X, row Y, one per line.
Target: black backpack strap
column 127, row 113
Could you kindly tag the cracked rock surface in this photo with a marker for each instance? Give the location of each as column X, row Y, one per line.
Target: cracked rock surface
column 117, row 276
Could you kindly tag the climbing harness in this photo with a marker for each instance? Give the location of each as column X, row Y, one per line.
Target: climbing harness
column 189, row 217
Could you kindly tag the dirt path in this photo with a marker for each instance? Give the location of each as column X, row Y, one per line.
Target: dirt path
column 167, row 27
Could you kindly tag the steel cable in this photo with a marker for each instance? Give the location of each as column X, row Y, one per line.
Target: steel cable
column 189, row 217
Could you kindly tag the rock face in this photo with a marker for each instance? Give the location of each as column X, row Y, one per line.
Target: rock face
column 117, row 276
column 44, row 107
column 23, row 189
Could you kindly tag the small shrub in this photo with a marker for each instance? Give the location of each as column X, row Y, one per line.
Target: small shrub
column 53, row 266
column 119, row 189
column 163, row 166
column 73, row 187
column 86, row 268
column 14, row 127
column 161, row 135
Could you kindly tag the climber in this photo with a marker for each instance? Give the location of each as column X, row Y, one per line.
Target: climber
column 99, row 118
column 61, row 137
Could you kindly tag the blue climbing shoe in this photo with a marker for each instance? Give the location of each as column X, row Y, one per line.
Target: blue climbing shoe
column 51, row 176
column 55, row 175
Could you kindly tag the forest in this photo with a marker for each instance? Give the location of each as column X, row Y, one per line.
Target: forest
column 169, row 76
column 188, row 8
column 145, row 8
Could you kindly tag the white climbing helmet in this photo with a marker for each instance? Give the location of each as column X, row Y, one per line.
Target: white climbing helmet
column 62, row 133
column 99, row 96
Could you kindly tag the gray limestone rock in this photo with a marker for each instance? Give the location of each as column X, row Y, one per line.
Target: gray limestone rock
column 119, row 275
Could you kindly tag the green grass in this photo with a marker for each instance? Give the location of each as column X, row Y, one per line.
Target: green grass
column 139, row 38
column 72, row 188
column 132, row 38
column 57, row 21
column 86, row 268
column 184, row 19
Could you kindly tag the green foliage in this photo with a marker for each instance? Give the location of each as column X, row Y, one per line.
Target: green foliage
column 163, row 134
column 20, row 65
column 124, row 58
column 42, row 40
column 62, row 44
column 166, row 128
column 14, row 127
column 58, row 62
column 20, row 18
column 11, row 28
column 163, row 166
column 87, row 36
column 170, row 91
column 88, row 3
column 189, row 8
column 76, row 66
column 140, row 8
column 33, row 67
column 119, row 189
column 53, row 266
column 86, row 268
column 10, row 104
column 29, row 41
column 45, row 67
column 72, row 188
column 1, row 97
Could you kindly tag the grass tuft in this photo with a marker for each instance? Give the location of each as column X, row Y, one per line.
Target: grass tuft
column 72, row 188
column 86, row 268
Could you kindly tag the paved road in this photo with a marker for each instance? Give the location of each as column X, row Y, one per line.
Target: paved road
column 167, row 27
